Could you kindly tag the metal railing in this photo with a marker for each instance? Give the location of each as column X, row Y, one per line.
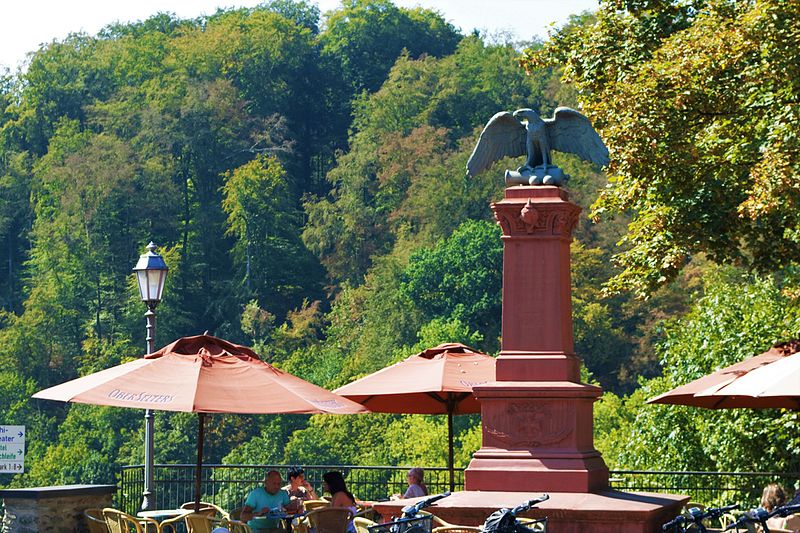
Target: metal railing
column 228, row 485
column 710, row 488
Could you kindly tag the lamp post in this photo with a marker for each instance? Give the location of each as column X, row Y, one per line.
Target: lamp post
column 151, row 271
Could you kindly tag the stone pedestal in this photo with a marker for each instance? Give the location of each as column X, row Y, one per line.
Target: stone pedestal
column 52, row 509
column 537, row 416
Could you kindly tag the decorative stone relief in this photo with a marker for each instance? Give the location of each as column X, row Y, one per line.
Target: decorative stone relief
column 530, row 425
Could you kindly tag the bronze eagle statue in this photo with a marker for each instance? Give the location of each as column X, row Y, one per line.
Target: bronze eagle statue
column 524, row 132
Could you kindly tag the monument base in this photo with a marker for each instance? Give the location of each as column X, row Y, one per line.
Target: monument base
column 537, row 435
column 567, row 512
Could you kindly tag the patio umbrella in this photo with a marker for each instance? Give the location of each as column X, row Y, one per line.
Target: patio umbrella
column 760, row 382
column 435, row 381
column 201, row 374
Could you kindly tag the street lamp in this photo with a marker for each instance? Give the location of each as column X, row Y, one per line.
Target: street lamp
column 151, row 271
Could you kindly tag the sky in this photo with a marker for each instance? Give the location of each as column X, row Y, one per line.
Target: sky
column 26, row 24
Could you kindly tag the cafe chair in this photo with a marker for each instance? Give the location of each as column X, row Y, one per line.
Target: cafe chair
column 310, row 505
column 206, row 508
column 95, row 521
column 362, row 524
column 329, row 519
column 202, row 523
column 237, row 526
column 119, row 522
column 171, row 525
column 236, row 514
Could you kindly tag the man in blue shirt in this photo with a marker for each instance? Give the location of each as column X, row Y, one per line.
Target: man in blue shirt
column 262, row 500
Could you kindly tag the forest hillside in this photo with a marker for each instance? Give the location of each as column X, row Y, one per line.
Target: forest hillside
column 303, row 176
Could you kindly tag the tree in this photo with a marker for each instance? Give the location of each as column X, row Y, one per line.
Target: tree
column 460, row 279
column 739, row 316
column 275, row 265
column 698, row 105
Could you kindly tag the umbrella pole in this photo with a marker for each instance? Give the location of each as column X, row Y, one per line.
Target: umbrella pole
column 450, row 447
column 199, row 471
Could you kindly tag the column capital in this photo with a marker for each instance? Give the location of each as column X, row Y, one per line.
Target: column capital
column 536, row 212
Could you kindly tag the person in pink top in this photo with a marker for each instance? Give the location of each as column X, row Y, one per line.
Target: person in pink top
column 416, row 484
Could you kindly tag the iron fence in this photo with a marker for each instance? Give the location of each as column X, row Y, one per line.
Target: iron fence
column 228, row 485
column 709, row 488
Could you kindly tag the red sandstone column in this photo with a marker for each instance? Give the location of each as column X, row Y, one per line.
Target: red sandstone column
column 537, row 416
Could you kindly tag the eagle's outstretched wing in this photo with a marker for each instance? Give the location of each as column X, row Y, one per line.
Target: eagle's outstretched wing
column 569, row 131
column 503, row 136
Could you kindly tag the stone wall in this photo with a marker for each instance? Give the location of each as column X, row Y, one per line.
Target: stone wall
column 52, row 509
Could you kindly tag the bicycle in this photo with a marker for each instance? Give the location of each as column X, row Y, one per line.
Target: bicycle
column 761, row 515
column 695, row 517
column 411, row 521
column 506, row 521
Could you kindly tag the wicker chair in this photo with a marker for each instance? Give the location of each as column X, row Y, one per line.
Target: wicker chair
column 119, row 522
column 208, row 509
column 95, row 521
column 534, row 524
column 329, row 519
column 237, row 526
column 202, row 523
column 362, row 524
column 310, row 505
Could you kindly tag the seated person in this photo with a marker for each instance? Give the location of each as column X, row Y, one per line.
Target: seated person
column 270, row 497
column 416, row 484
column 772, row 497
column 298, row 487
column 333, row 484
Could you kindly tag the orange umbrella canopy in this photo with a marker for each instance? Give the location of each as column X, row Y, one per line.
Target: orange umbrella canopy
column 426, row 382
column 201, row 374
column 748, row 384
column 438, row 380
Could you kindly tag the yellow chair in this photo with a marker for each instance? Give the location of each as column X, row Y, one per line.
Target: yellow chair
column 208, row 509
column 362, row 524
column 95, row 521
column 119, row 522
column 237, row 526
column 329, row 519
column 170, row 525
column 202, row 523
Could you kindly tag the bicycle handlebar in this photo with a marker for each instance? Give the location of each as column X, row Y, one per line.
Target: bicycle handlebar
column 530, row 503
column 677, row 521
column 762, row 515
column 697, row 516
column 410, row 511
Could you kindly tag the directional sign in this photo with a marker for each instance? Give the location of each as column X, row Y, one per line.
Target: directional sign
column 12, row 449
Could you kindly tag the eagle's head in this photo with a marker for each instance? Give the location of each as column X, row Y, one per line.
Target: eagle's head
column 527, row 114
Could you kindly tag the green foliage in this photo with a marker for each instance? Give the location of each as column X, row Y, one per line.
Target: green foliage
column 248, row 140
column 459, row 278
column 738, row 316
column 367, row 36
column 260, row 212
column 698, row 105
